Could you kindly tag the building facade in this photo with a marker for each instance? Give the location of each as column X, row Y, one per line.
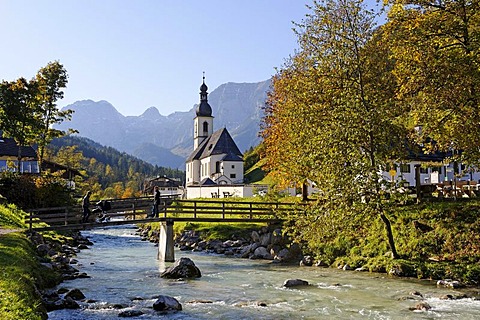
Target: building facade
column 216, row 160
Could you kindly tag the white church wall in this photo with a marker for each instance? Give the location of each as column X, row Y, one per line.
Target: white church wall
column 233, row 170
column 222, row 191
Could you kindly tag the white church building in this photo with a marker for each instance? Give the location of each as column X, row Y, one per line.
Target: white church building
column 215, row 167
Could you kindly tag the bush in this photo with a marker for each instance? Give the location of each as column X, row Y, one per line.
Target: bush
column 32, row 191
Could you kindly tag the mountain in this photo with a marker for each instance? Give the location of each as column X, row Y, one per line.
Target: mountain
column 168, row 140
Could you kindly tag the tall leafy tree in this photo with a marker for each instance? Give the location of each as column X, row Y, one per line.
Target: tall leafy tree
column 331, row 118
column 17, row 112
column 436, row 46
column 51, row 80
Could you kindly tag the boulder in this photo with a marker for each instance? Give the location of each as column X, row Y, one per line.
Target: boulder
column 255, row 236
column 182, row 268
column 265, row 239
column 282, row 255
column 450, row 284
column 130, row 313
column 422, row 306
column 167, row 303
column 295, row 283
column 75, row 294
column 307, row 261
column 262, row 253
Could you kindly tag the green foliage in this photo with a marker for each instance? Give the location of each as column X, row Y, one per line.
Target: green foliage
column 437, row 240
column 11, row 216
column 116, row 173
column 29, row 191
column 20, row 275
column 28, row 108
column 435, row 46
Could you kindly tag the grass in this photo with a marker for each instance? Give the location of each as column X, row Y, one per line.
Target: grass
column 21, row 274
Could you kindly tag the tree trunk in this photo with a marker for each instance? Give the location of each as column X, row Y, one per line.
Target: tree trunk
column 19, row 159
column 418, row 183
column 304, row 192
column 388, row 228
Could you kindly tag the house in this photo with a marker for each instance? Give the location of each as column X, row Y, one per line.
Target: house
column 166, row 186
column 434, row 169
column 9, row 151
column 216, row 163
column 67, row 173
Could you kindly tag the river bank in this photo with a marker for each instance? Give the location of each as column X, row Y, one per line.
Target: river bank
column 269, row 243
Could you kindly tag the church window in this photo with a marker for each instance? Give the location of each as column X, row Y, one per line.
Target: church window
column 205, row 127
column 233, row 166
column 217, row 167
column 233, row 175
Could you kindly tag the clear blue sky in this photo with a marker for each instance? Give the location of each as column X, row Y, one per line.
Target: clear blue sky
column 143, row 53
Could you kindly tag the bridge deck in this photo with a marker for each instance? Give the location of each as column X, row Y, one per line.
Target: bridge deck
column 135, row 210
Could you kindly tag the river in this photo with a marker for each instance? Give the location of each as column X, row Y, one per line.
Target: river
column 124, row 271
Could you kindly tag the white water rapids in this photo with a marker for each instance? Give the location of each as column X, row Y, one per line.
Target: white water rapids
column 124, row 271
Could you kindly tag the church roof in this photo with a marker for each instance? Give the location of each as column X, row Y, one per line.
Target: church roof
column 220, row 142
column 207, row 182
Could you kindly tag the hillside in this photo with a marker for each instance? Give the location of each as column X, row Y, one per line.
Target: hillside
column 121, row 164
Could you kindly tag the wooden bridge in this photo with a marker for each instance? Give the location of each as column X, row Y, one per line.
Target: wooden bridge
column 136, row 211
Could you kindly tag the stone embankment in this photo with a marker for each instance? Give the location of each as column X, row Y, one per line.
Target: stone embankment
column 261, row 244
column 59, row 257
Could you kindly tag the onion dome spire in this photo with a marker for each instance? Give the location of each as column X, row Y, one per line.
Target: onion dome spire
column 204, row 109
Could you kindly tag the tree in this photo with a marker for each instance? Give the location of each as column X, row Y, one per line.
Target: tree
column 50, row 79
column 331, row 118
column 17, row 112
column 436, row 46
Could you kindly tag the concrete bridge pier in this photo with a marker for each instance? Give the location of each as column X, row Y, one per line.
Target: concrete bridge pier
column 166, row 243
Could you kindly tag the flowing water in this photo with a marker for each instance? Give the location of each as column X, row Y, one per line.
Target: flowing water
column 124, row 271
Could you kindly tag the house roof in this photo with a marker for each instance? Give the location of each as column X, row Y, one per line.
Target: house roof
column 220, row 142
column 52, row 166
column 8, row 147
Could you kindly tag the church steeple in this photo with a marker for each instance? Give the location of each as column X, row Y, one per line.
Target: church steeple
column 203, row 122
column 204, row 108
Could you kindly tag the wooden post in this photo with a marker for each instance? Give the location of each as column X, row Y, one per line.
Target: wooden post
column 165, row 208
column 251, row 210
column 195, row 209
column 66, row 215
column 223, row 210
column 31, row 220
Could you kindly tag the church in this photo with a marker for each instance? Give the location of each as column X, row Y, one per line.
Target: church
column 215, row 167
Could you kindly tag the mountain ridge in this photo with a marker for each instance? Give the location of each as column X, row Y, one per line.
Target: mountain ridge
column 166, row 140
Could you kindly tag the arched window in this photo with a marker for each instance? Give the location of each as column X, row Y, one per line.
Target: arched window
column 205, row 127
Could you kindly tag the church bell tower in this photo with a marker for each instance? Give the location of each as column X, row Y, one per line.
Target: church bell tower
column 203, row 122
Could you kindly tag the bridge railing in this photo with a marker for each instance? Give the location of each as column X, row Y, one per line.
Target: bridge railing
column 223, row 209
column 136, row 210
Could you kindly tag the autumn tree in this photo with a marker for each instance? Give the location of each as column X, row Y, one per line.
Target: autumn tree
column 51, row 80
column 436, row 46
column 331, row 118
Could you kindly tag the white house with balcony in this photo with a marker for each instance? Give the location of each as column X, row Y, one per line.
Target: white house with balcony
column 215, row 167
column 433, row 169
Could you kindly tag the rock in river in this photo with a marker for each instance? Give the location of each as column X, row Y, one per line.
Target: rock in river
column 167, row 303
column 294, row 283
column 182, row 268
